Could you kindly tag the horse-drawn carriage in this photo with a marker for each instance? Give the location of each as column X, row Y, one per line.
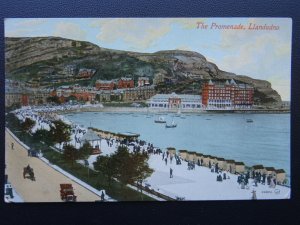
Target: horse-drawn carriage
column 28, row 173
column 67, row 193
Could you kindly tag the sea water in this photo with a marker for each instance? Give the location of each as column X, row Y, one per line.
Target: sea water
column 264, row 141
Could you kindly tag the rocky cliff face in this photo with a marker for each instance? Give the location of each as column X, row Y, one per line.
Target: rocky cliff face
column 43, row 57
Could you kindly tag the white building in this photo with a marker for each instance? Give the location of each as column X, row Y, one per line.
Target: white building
column 173, row 100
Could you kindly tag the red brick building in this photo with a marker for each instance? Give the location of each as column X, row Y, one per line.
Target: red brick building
column 105, row 85
column 125, row 83
column 84, row 96
column 227, row 95
column 25, row 100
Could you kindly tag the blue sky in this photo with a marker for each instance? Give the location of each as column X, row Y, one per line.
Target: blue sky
column 260, row 54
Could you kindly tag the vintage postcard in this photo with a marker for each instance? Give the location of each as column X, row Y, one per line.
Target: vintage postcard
column 147, row 109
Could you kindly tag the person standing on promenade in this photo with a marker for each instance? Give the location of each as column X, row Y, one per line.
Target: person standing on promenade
column 102, row 196
column 171, row 173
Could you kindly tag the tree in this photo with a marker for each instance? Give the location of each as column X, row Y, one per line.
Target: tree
column 127, row 167
column 142, row 169
column 28, row 124
column 43, row 135
column 70, row 153
column 124, row 166
column 107, row 166
column 85, row 150
column 60, row 131
column 54, row 99
column 12, row 120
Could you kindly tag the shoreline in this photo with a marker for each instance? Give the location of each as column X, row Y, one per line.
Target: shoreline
column 155, row 110
column 158, row 179
column 130, row 110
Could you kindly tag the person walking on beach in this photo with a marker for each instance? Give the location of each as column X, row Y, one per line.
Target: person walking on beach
column 171, row 173
column 166, row 160
column 12, row 146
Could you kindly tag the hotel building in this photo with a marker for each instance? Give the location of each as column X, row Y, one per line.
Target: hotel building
column 227, row 95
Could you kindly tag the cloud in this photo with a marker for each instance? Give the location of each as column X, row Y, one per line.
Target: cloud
column 31, row 22
column 69, row 30
column 139, row 33
column 22, row 27
column 16, row 33
column 263, row 55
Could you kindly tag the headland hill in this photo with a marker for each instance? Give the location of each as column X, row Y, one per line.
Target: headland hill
column 39, row 70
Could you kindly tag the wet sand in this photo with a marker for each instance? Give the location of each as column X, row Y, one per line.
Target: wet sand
column 46, row 186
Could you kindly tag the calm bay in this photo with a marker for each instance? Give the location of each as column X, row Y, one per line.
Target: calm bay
column 264, row 141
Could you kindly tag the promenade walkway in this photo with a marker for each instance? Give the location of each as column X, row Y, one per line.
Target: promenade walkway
column 46, row 187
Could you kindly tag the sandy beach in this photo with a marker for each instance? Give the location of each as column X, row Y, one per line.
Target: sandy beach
column 46, row 187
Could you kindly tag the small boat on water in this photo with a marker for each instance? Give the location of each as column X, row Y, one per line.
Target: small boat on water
column 160, row 119
column 172, row 125
column 249, row 121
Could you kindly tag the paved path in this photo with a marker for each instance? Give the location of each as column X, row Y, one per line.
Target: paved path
column 46, row 187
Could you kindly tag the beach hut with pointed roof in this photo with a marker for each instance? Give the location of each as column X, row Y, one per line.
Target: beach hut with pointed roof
column 280, row 176
column 183, row 154
column 230, row 165
column 171, row 150
column 239, row 167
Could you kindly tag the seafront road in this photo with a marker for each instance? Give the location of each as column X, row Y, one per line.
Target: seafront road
column 46, row 186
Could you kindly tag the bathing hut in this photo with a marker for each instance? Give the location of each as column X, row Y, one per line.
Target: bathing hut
column 270, row 171
column 222, row 163
column 207, row 159
column 183, row 154
column 171, row 150
column 239, row 167
column 230, row 165
column 258, row 168
column 280, row 176
column 191, row 156
column 199, row 156
column 92, row 138
column 212, row 159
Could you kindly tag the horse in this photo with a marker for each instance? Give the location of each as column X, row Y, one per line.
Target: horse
column 28, row 170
